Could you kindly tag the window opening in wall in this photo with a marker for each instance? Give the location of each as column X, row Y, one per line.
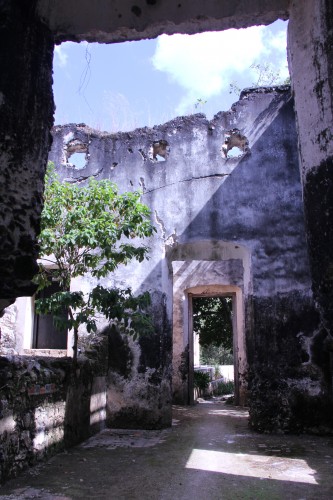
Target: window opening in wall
column 213, row 350
column 159, row 151
column 235, row 144
column 78, row 160
column 45, row 335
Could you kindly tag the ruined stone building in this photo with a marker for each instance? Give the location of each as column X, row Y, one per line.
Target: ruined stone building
column 256, row 227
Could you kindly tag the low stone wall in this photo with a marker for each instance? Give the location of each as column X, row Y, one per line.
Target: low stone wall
column 44, row 407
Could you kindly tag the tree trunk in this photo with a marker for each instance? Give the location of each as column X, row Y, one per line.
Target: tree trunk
column 76, row 335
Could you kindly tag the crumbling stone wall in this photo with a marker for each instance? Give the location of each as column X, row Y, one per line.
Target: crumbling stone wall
column 26, row 111
column 207, row 205
column 45, row 407
column 26, row 116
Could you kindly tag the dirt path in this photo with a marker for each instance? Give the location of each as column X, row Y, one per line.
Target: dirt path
column 209, row 454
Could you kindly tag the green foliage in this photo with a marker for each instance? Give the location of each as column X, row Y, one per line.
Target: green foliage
column 212, row 321
column 216, row 355
column 91, row 229
column 199, row 103
column 223, row 388
column 201, row 381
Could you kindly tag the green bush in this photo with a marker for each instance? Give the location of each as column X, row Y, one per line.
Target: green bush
column 223, row 388
column 201, row 381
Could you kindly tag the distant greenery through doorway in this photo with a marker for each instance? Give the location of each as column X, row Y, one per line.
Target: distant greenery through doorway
column 212, row 321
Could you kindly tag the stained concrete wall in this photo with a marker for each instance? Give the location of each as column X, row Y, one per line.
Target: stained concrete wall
column 120, row 20
column 211, row 209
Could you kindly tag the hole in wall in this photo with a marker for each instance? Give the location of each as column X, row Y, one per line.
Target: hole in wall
column 76, row 153
column 235, row 152
column 159, row 151
column 235, row 144
column 78, row 160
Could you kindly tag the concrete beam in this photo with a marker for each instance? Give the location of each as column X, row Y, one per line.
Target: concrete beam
column 108, row 21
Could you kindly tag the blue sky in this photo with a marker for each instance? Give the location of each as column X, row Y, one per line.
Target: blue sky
column 134, row 84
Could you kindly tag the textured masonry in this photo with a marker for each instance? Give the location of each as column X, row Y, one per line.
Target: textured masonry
column 235, row 222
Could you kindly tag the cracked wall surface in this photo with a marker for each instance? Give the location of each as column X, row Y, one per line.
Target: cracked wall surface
column 207, row 208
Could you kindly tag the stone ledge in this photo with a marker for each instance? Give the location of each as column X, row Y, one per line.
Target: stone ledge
column 54, row 353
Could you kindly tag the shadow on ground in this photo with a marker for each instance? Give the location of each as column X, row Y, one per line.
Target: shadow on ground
column 208, row 454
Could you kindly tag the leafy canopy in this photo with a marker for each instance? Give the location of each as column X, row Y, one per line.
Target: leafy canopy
column 90, row 229
column 212, row 321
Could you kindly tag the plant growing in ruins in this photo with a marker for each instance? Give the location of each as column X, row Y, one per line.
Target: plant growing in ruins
column 91, row 230
column 212, row 322
column 266, row 76
column 201, row 382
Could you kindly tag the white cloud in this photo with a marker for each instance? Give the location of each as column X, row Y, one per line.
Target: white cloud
column 205, row 64
column 60, row 55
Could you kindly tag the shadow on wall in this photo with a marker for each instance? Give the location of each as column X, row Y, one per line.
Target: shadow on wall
column 259, row 206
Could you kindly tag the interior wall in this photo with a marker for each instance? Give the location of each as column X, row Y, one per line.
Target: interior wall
column 245, row 214
column 26, row 118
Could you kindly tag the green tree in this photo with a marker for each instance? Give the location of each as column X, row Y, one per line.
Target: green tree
column 212, row 321
column 91, row 229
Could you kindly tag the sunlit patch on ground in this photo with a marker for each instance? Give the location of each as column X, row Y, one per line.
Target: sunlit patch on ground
column 260, row 466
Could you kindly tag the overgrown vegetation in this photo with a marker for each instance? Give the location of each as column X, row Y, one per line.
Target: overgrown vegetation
column 212, row 322
column 224, row 388
column 215, row 356
column 91, row 229
column 201, row 382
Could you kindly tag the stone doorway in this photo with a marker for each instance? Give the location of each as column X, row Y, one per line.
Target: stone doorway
column 212, row 350
column 237, row 327
column 195, row 279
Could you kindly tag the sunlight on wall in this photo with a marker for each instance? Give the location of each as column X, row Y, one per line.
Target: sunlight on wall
column 49, row 425
column 242, row 464
column 98, row 408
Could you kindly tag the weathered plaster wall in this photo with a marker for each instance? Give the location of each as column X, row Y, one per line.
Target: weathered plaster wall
column 310, row 42
column 26, row 109
column 204, row 205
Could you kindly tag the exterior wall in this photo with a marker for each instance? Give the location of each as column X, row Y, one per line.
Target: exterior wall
column 215, row 211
